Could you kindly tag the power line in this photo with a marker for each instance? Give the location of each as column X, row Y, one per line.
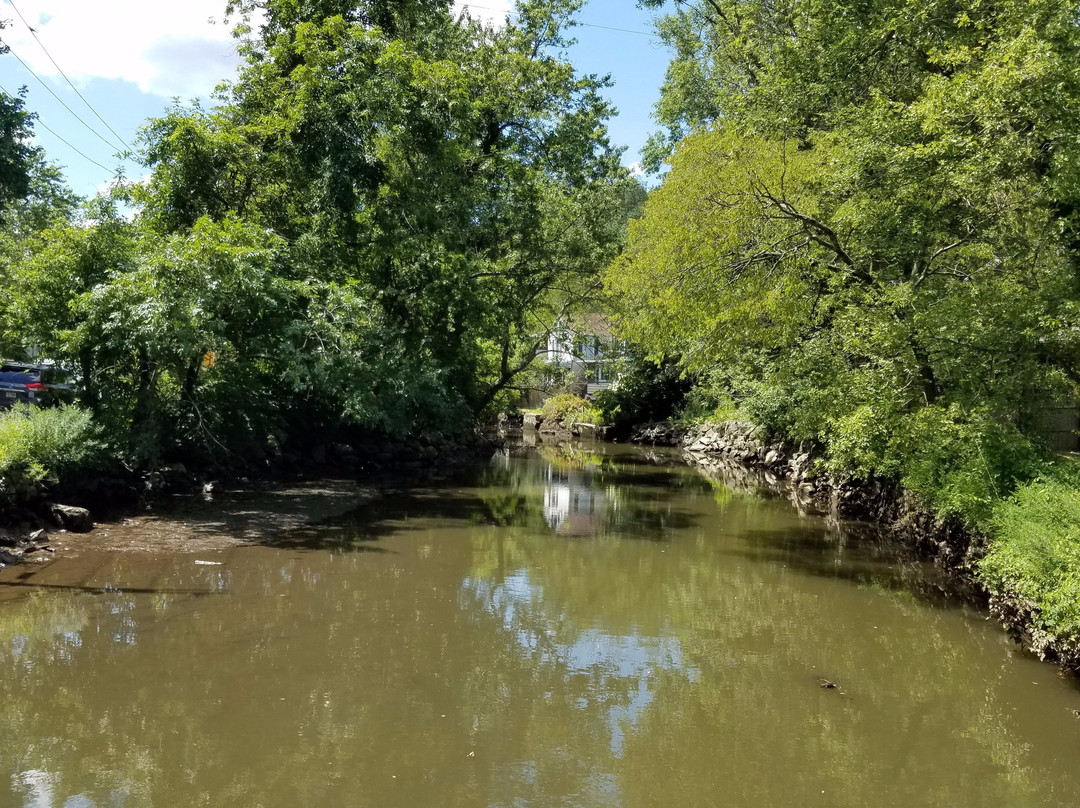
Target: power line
column 622, row 30
column 40, row 81
column 33, row 33
column 581, row 24
column 43, row 125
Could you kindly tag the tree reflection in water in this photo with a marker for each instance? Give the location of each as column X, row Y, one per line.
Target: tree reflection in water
column 657, row 643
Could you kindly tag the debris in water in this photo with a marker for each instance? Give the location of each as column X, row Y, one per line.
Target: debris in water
column 825, row 683
column 209, row 563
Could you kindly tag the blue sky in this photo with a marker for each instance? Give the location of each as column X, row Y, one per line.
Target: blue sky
column 129, row 58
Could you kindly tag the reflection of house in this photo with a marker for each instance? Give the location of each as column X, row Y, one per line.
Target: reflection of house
column 571, row 504
column 585, row 347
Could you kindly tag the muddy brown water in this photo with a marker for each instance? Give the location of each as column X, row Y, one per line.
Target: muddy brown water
column 570, row 627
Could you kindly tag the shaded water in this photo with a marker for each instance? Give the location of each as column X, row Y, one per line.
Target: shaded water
column 572, row 628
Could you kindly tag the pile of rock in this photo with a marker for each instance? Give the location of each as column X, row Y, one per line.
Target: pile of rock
column 562, row 430
column 746, row 443
column 28, row 538
column 660, row 433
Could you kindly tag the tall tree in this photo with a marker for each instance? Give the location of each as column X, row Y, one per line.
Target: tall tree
column 16, row 151
column 455, row 181
column 869, row 235
column 378, row 223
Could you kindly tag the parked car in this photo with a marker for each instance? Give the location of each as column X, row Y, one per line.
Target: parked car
column 31, row 384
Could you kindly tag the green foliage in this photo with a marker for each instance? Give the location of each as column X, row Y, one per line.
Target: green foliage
column 1035, row 553
column 867, row 237
column 378, row 224
column 643, row 391
column 459, row 176
column 16, row 151
column 567, row 408
column 40, row 444
column 960, row 463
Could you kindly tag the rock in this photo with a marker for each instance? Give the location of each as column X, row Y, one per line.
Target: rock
column 77, row 520
column 39, row 538
column 661, row 434
column 532, row 420
column 11, row 556
column 585, row 430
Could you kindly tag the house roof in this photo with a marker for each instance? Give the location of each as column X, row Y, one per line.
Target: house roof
column 593, row 324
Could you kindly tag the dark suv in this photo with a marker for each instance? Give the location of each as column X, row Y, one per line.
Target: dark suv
column 31, row 384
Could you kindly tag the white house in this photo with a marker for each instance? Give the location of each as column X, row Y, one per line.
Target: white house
column 585, row 347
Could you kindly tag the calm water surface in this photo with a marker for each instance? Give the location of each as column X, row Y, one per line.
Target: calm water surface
column 568, row 628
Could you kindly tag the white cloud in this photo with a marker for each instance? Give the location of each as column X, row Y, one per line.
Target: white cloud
column 635, row 169
column 491, row 12
column 165, row 48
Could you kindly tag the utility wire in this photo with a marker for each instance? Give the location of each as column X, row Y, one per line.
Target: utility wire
column 42, row 124
column 40, row 81
column 621, row 30
column 468, row 5
column 33, row 33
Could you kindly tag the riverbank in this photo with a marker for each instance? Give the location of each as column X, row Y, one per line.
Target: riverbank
column 40, row 511
column 789, row 470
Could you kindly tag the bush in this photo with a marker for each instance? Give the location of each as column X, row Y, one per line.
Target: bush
column 569, row 408
column 644, row 392
column 1035, row 550
column 961, row 462
column 41, row 444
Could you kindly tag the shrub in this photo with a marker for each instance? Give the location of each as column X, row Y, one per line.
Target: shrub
column 40, row 444
column 1035, row 550
column 569, row 408
column 644, row 392
column 961, row 462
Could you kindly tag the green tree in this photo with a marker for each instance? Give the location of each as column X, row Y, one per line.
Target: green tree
column 869, row 238
column 16, row 151
column 451, row 186
column 378, row 223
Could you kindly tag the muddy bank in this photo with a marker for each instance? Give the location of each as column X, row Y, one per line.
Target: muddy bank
column 50, row 518
column 737, row 450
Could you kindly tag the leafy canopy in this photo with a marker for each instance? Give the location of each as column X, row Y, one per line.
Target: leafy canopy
column 867, row 236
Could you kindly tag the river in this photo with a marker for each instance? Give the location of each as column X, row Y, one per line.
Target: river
column 566, row 627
